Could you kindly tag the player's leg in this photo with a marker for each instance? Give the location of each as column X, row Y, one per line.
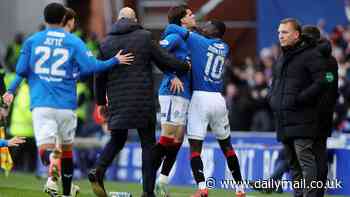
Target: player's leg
column 167, row 130
column 196, row 132
column 67, row 124
column 180, row 112
column 168, row 162
column 170, row 156
column 161, row 154
column 196, row 162
column 220, row 125
column 45, row 154
column 173, row 127
column 55, row 163
column 52, row 184
column 67, row 169
column 166, row 140
column 45, row 130
column 111, row 149
column 231, row 158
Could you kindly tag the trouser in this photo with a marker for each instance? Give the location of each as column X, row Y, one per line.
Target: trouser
column 307, row 159
column 117, row 142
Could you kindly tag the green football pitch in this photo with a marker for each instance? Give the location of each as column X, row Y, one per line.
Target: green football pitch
column 27, row 185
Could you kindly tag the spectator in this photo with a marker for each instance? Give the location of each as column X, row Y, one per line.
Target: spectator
column 240, row 108
column 13, row 51
column 276, row 51
column 267, row 61
column 321, row 25
column 83, row 94
column 262, row 118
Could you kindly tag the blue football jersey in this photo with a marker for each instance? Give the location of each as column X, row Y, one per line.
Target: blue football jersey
column 175, row 45
column 51, row 60
column 208, row 57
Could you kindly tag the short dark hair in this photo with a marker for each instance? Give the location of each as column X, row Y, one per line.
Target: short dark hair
column 214, row 28
column 220, row 26
column 311, row 31
column 54, row 13
column 70, row 14
column 294, row 22
column 175, row 14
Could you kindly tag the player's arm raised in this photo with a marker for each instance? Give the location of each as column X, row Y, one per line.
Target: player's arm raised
column 89, row 64
column 189, row 37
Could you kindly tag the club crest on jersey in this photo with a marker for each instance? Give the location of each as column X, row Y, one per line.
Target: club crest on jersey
column 163, row 42
column 89, row 53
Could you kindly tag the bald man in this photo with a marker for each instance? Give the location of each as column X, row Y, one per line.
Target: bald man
column 127, row 12
column 131, row 101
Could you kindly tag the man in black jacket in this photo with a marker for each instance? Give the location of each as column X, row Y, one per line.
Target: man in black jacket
column 328, row 99
column 129, row 89
column 299, row 80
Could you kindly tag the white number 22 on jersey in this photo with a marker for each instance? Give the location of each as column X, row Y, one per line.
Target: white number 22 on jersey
column 55, row 68
column 214, row 66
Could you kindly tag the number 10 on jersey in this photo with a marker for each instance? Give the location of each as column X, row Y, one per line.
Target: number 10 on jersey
column 214, row 67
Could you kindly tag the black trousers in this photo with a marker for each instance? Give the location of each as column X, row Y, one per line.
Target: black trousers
column 307, row 159
column 116, row 144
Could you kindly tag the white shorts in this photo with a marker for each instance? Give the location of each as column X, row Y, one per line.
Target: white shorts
column 52, row 124
column 173, row 110
column 207, row 108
